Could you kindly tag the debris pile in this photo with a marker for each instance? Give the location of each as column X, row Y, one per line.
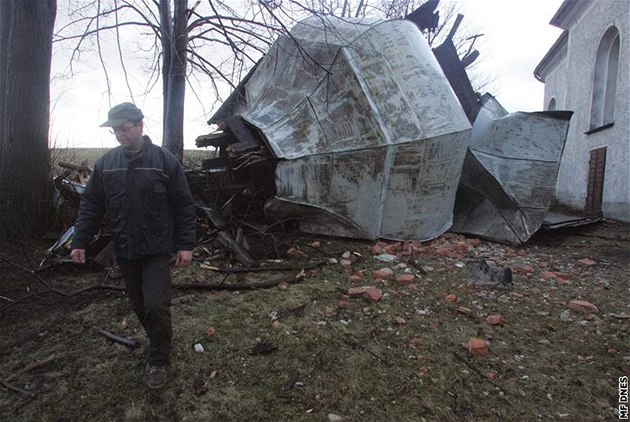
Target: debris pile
column 357, row 139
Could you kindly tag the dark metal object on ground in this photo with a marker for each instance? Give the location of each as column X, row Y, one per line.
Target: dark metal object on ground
column 481, row 274
column 132, row 344
column 555, row 220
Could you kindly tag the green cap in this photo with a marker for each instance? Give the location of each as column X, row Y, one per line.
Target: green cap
column 122, row 113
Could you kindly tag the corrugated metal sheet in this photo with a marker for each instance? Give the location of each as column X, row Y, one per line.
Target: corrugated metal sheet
column 510, row 172
column 371, row 135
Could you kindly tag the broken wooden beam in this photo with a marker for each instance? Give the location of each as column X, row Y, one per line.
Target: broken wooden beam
column 215, row 139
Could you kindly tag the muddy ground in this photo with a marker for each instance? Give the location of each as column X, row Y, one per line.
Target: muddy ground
column 304, row 350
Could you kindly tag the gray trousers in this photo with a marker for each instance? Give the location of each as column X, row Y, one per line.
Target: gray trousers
column 148, row 283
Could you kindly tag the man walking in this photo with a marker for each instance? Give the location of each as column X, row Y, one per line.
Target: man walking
column 143, row 191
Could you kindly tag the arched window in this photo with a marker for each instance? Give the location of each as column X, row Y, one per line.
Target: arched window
column 605, row 79
column 552, row 105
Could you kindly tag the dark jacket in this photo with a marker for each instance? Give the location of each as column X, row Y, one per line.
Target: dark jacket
column 147, row 201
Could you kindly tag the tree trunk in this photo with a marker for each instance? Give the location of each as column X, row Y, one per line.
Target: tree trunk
column 166, row 28
column 26, row 28
column 174, row 98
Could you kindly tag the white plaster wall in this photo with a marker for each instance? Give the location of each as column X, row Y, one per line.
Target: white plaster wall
column 571, row 83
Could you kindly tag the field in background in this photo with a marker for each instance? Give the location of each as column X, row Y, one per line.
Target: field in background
column 192, row 157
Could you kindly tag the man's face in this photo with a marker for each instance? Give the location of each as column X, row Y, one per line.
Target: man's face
column 129, row 135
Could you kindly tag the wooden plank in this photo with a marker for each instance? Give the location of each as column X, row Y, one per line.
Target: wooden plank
column 247, row 138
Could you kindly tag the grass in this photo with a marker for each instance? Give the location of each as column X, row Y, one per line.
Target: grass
column 364, row 364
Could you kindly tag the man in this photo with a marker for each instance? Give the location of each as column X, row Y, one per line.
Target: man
column 142, row 189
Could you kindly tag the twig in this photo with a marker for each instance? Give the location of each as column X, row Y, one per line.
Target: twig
column 65, row 294
column 7, row 299
column 356, row 345
column 20, row 341
column 14, row 388
column 478, row 371
column 31, row 272
column 30, row 367
column 236, row 286
column 309, row 266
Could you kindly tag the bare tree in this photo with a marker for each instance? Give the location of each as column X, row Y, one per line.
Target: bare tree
column 26, row 28
column 180, row 41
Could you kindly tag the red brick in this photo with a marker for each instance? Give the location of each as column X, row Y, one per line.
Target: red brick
column 211, row 333
column 522, row 269
column 496, row 319
column 370, row 294
column 356, row 279
column 474, row 242
column 296, row 253
column 583, row 306
column 404, row 278
column 344, row 304
column 392, row 248
column 477, row 347
column 548, row 275
column 451, row 298
column 377, row 248
column 400, row 320
column 586, row 262
column 383, row 274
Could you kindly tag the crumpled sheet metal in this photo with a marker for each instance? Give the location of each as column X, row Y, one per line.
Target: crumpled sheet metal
column 372, row 136
column 509, row 173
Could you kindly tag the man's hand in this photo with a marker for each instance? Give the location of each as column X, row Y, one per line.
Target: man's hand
column 78, row 256
column 184, row 258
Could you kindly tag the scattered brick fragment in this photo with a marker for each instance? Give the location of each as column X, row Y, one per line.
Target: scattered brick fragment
column 344, row 304
column 562, row 276
column 451, row 298
column 356, row 278
column 392, row 248
column 586, row 262
column 477, row 347
column 496, row 319
column 296, row 253
column 211, row 333
column 283, row 285
column 377, row 248
column 404, row 278
column 583, row 306
column 371, row 294
column 522, row 269
column 400, row 320
column 548, row 275
column 383, row 274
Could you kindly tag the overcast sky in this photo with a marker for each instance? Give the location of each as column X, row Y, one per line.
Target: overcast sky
column 517, row 35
